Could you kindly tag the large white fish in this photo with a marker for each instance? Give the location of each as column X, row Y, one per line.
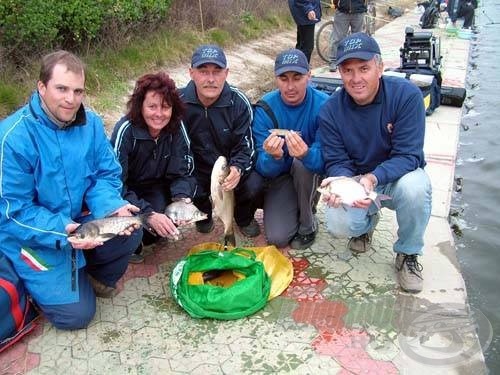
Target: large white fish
column 350, row 190
column 222, row 201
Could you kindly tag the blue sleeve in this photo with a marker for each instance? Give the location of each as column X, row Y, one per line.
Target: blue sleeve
column 313, row 160
column 407, row 139
column 266, row 165
column 336, row 159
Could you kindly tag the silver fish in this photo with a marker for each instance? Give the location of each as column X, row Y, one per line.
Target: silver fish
column 350, row 190
column 222, row 201
column 283, row 132
column 181, row 211
column 107, row 228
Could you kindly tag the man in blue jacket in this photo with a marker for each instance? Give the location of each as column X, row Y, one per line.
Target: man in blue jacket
column 290, row 163
column 306, row 14
column 57, row 169
column 374, row 128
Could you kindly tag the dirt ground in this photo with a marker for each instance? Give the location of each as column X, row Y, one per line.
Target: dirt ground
column 251, row 64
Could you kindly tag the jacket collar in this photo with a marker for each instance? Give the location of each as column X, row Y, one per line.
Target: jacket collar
column 35, row 106
column 224, row 99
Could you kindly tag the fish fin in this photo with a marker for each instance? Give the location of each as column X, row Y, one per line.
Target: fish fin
column 106, row 236
column 378, row 199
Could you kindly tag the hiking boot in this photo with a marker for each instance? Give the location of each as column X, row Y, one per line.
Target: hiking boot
column 102, row 290
column 409, row 272
column 362, row 244
column 205, row 226
column 302, row 241
column 332, row 67
column 251, row 230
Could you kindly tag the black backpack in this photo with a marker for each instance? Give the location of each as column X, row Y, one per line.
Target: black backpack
column 429, row 17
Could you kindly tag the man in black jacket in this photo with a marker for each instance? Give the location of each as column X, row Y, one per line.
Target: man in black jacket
column 349, row 14
column 218, row 118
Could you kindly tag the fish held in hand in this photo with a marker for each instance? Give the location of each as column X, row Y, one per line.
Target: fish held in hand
column 182, row 212
column 222, row 201
column 350, row 190
column 101, row 230
column 283, row 132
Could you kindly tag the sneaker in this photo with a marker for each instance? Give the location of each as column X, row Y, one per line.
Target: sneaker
column 205, row 226
column 302, row 241
column 332, row 67
column 363, row 243
column 102, row 290
column 137, row 257
column 409, row 272
column 251, row 230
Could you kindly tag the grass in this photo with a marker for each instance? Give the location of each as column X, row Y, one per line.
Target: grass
column 112, row 71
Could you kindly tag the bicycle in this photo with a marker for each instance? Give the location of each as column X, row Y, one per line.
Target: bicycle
column 324, row 34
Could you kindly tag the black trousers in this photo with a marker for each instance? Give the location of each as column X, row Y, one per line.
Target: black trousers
column 305, row 39
column 247, row 196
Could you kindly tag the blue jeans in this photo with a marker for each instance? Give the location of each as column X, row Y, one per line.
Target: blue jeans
column 411, row 199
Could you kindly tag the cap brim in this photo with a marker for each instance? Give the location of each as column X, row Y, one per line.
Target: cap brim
column 356, row 55
column 291, row 68
column 208, row 61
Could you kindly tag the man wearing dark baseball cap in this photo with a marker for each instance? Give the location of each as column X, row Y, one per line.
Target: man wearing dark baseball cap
column 374, row 128
column 288, row 156
column 218, row 118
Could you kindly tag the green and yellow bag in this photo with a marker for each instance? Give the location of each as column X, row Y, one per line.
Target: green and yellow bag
column 220, row 284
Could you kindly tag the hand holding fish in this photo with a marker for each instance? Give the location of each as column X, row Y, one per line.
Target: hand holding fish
column 330, row 198
column 297, row 148
column 162, row 225
column 82, row 244
column 127, row 210
column 273, row 145
column 369, row 181
column 232, row 180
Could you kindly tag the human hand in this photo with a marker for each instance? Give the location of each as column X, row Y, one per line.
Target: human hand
column 77, row 243
column 329, row 198
column 311, row 16
column 297, row 148
column 273, row 145
column 163, row 225
column 232, row 179
column 127, row 210
column 369, row 181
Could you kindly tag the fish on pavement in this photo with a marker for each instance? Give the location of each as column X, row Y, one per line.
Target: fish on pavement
column 350, row 190
column 283, row 132
column 222, row 201
column 182, row 212
column 104, row 229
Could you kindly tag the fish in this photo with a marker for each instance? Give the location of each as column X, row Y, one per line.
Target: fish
column 283, row 132
column 105, row 229
column 222, row 201
column 182, row 212
column 350, row 190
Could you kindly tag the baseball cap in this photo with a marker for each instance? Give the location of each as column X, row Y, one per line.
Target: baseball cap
column 291, row 60
column 357, row 46
column 208, row 54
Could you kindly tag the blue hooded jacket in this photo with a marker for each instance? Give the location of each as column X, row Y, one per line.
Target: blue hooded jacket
column 48, row 176
column 300, row 8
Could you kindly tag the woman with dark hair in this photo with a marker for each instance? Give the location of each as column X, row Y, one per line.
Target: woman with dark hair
column 153, row 148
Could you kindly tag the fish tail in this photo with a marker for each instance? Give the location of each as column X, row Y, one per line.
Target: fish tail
column 230, row 240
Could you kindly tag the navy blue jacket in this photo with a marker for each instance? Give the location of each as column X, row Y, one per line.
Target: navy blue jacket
column 385, row 138
column 350, row 6
column 220, row 129
column 300, row 8
column 166, row 161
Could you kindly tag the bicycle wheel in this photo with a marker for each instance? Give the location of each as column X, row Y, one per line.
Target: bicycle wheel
column 323, row 40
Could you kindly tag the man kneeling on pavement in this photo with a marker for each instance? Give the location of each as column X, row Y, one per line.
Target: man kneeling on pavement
column 290, row 161
column 374, row 128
